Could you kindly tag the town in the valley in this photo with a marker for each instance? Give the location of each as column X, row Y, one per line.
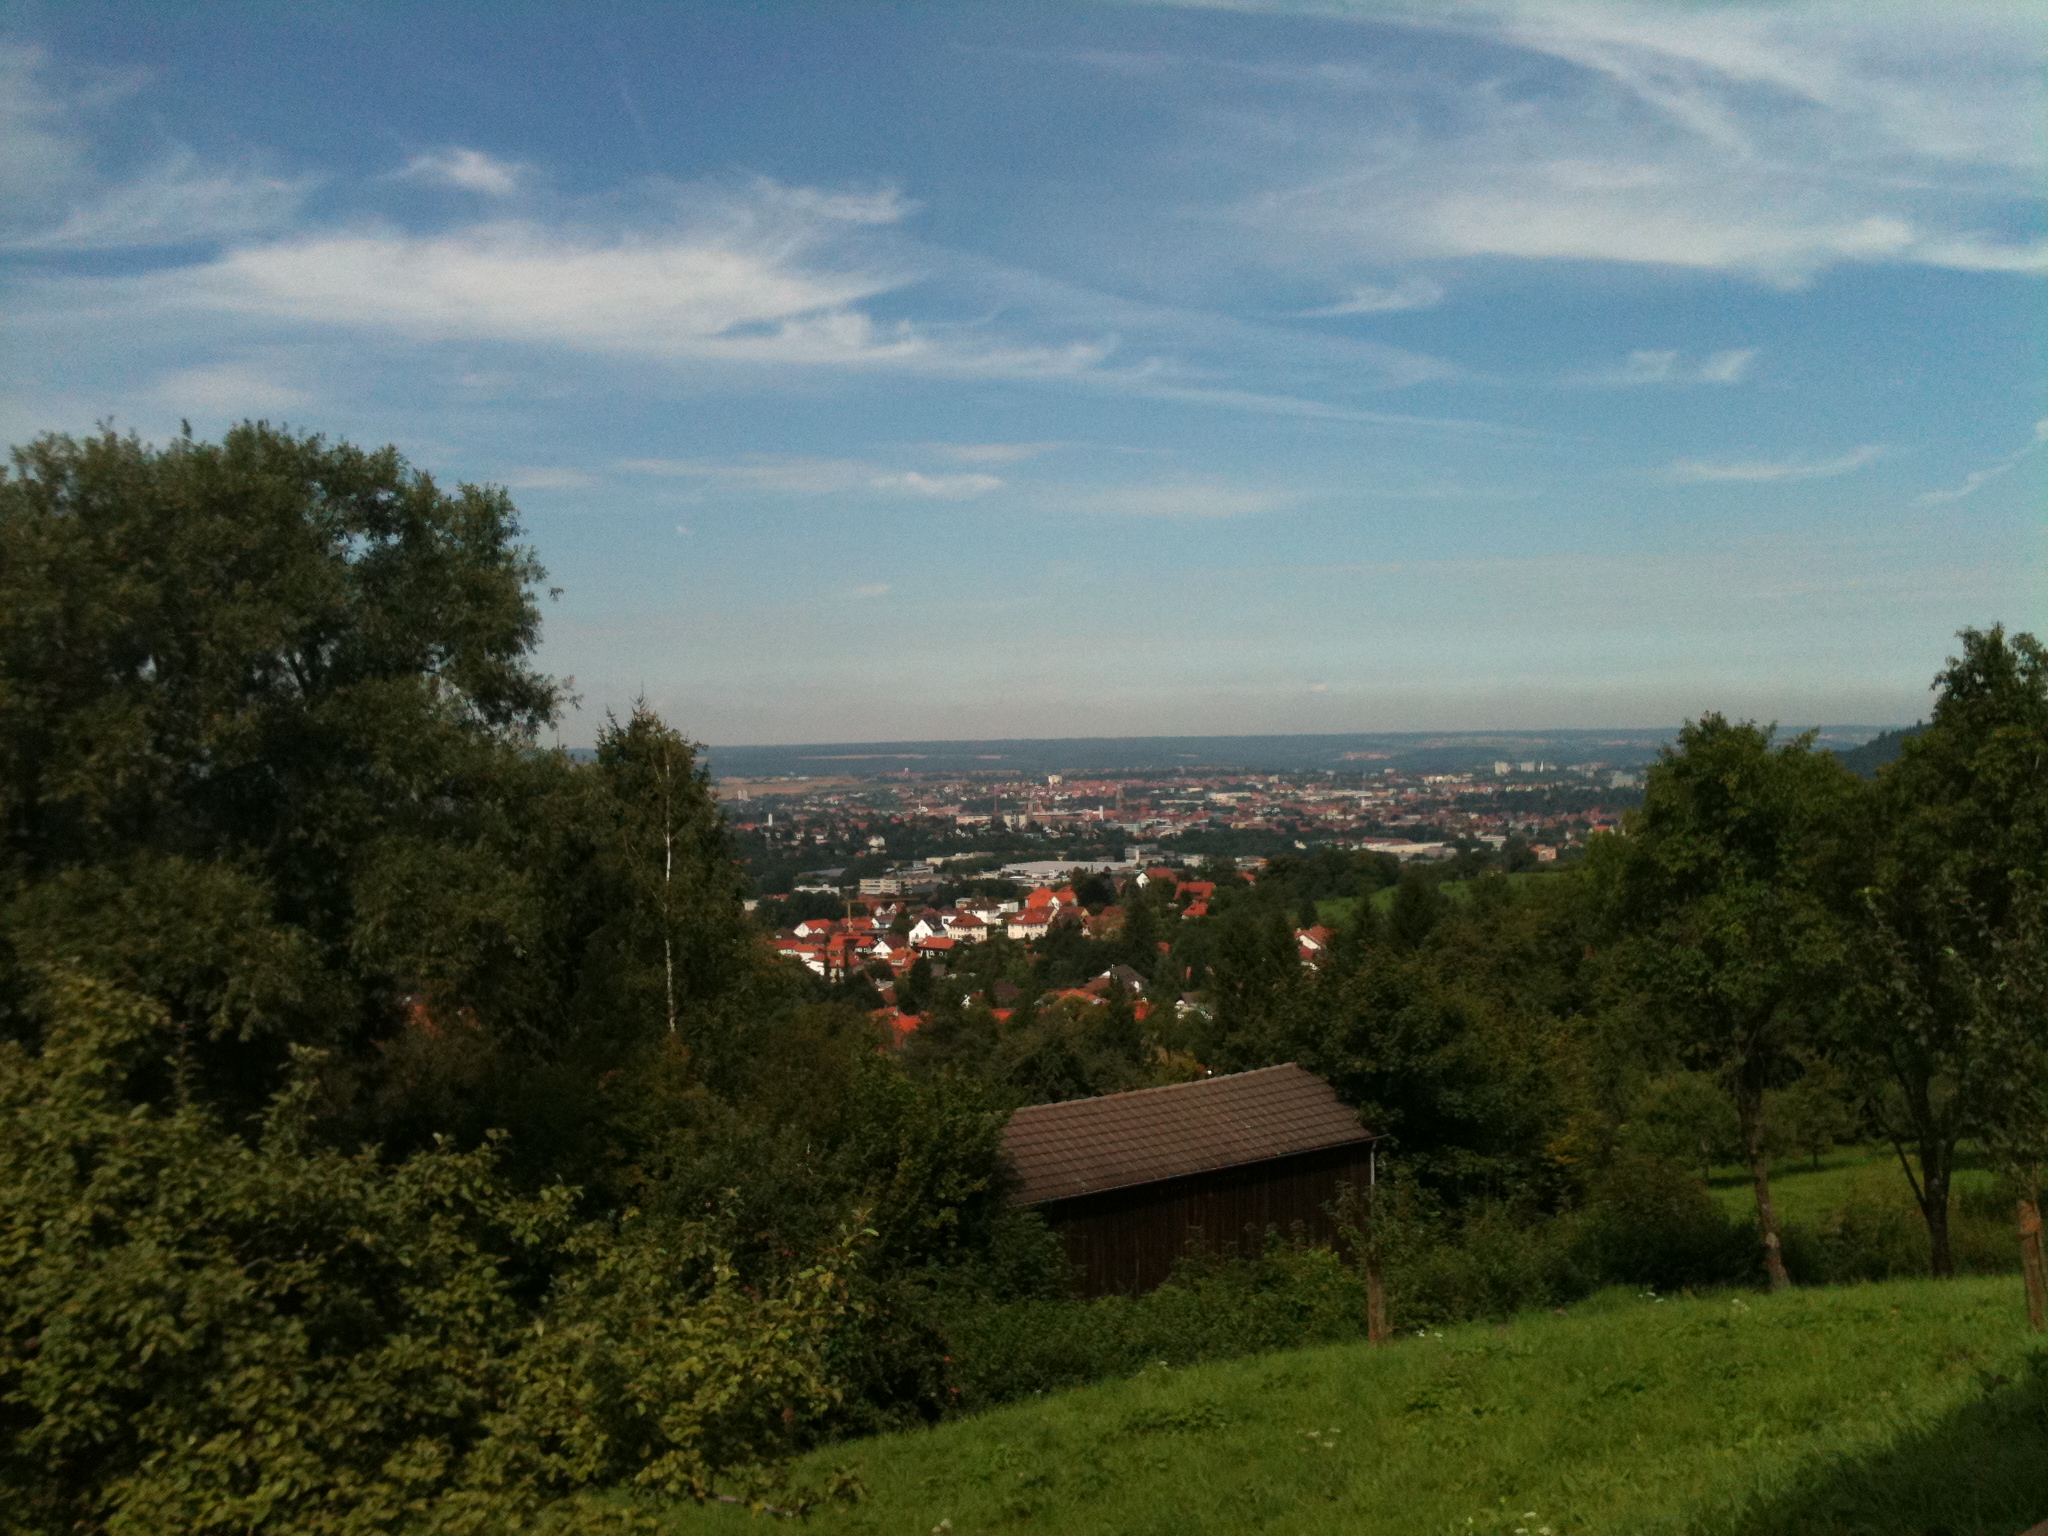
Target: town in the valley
column 896, row 881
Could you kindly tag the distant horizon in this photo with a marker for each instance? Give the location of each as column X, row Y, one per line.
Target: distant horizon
column 1504, row 732
column 1300, row 751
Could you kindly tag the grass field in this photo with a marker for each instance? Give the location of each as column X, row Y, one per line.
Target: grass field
column 1906, row 1409
column 1846, row 1176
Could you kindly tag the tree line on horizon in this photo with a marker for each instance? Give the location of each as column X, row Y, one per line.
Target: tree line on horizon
column 403, row 1125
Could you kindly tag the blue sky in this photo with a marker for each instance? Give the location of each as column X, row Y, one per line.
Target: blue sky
column 896, row 372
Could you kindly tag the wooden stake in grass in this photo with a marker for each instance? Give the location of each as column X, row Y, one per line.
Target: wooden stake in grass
column 2032, row 1261
column 1376, row 1330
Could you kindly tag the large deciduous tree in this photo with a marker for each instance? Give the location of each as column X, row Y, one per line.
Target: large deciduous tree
column 1737, row 872
column 246, row 689
column 1954, row 1031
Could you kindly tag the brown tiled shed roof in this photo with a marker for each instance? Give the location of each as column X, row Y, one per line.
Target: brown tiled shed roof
column 1085, row 1146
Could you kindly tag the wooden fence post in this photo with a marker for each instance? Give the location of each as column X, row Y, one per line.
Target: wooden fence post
column 2032, row 1261
column 1376, row 1331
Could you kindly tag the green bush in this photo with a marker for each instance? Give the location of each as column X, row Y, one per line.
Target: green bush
column 1211, row 1309
column 1651, row 1222
column 1493, row 1263
column 205, row 1333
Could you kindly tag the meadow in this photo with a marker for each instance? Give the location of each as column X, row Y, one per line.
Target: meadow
column 1851, row 1215
column 1811, row 1190
column 1910, row 1408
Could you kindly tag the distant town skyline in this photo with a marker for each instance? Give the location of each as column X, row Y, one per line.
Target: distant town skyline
column 891, row 374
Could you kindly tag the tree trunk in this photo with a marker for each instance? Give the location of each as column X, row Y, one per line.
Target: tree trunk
column 1376, row 1330
column 1749, row 1110
column 1934, row 1177
column 668, row 875
column 1931, row 1193
column 2033, row 1262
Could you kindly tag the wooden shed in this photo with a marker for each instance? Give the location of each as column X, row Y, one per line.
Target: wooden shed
column 1132, row 1181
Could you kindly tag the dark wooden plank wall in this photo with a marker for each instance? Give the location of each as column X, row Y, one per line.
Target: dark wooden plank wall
column 1125, row 1242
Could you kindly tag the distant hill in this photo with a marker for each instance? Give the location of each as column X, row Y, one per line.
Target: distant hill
column 1875, row 753
column 1414, row 752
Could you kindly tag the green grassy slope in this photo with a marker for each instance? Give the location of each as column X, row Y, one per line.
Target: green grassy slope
column 1889, row 1410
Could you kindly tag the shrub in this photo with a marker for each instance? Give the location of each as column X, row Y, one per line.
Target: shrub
column 1651, row 1222
column 1862, row 1239
column 1493, row 1263
column 205, row 1333
column 1210, row 1309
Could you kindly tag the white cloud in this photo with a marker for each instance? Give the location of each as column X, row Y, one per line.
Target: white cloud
column 1672, row 367
column 545, row 477
column 226, row 389
column 674, row 295
column 178, row 201
column 796, row 476
column 1409, row 293
column 38, row 152
column 938, row 487
column 1979, row 255
column 55, row 197
column 469, row 170
column 1766, row 471
column 775, row 476
column 991, row 453
column 1774, row 141
column 1199, row 499
column 771, row 276
column 1727, row 367
column 1978, row 478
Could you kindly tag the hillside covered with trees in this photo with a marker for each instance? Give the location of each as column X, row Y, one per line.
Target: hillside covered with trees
column 403, row 1126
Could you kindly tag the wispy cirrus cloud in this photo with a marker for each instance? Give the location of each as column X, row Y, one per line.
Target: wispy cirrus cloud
column 675, row 293
column 1673, row 367
column 797, row 476
column 1977, row 479
column 1771, row 141
column 1768, row 471
column 991, row 453
column 56, row 198
column 468, row 170
column 1200, row 499
column 937, row 487
column 238, row 388
column 767, row 275
column 546, row 477
column 1382, row 299
column 180, row 200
